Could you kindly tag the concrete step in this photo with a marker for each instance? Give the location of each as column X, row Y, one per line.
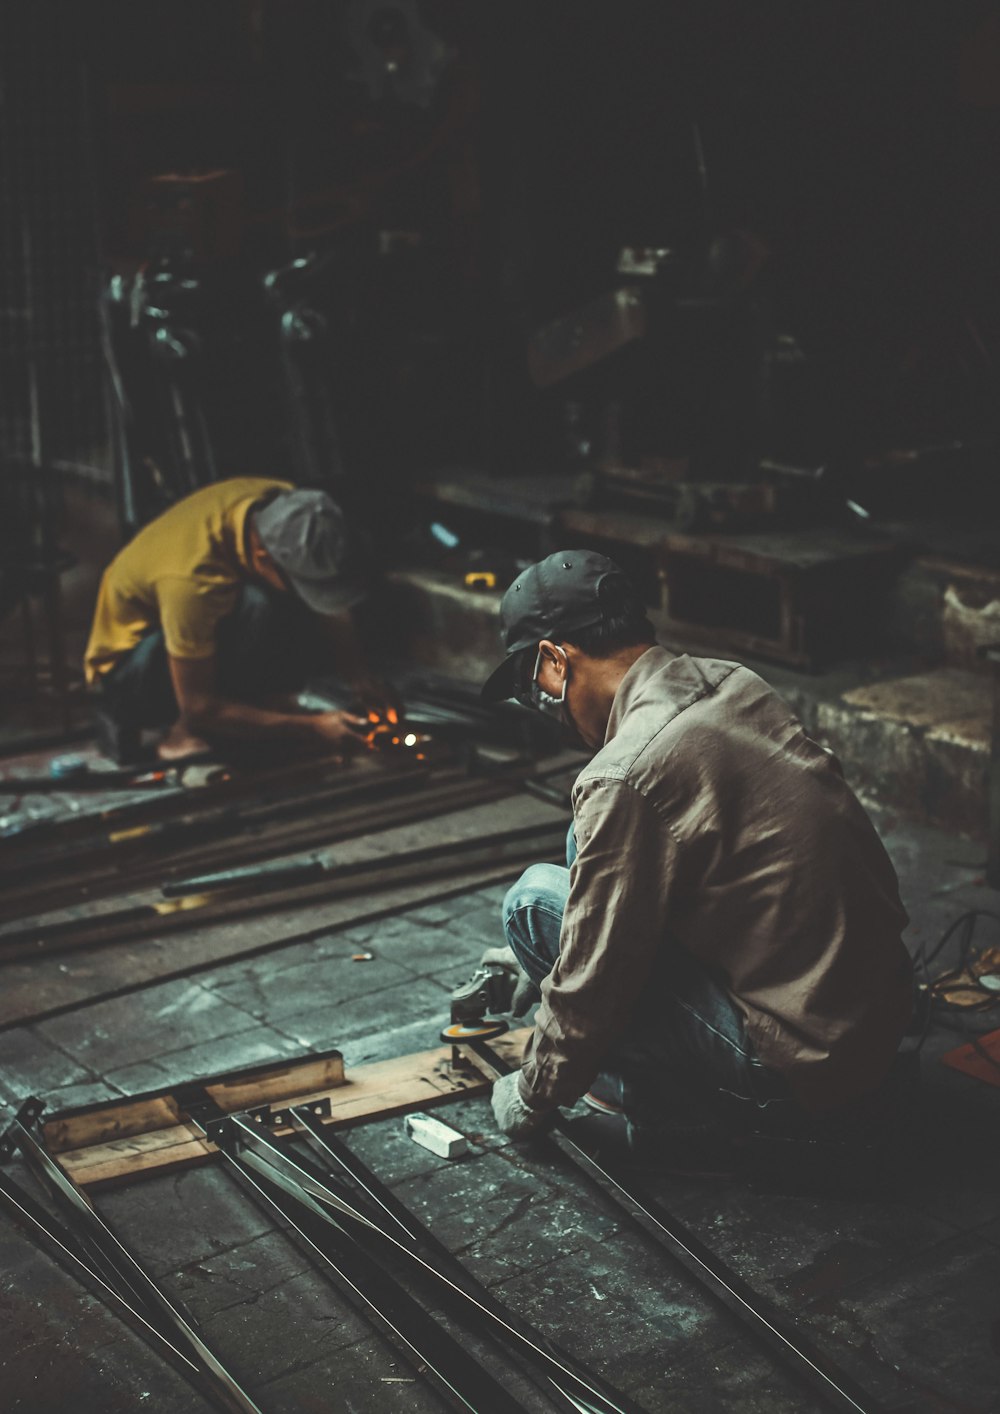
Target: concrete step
column 912, row 737
column 945, row 608
column 918, row 743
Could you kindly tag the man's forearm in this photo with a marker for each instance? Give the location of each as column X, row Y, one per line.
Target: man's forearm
column 227, row 717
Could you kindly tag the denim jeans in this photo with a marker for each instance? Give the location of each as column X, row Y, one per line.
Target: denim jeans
column 266, row 646
column 686, row 1047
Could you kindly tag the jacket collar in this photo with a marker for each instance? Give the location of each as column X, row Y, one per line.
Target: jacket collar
column 680, row 681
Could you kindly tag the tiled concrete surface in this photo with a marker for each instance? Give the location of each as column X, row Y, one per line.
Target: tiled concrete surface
column 900, row 1287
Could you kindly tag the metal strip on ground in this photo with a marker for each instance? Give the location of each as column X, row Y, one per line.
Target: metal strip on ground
column 837, row 1389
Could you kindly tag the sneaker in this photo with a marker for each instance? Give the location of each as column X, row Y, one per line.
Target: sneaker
column 606, row 1095
column 602, row 1107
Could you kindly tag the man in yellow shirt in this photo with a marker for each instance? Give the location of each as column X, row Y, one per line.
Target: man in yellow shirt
column 203, row 621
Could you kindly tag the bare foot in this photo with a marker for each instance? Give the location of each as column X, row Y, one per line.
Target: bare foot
column 177, row 744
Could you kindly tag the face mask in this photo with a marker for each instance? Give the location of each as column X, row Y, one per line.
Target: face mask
column 554, row 707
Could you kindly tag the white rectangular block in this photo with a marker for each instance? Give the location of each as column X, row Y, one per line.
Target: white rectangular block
column 439, row 1138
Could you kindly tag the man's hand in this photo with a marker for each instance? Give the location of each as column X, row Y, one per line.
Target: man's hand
column 375, row 694
column 524, row 992
column 340, row 729
column 514, row 1118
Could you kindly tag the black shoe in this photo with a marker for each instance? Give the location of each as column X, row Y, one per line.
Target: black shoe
column 117, row 742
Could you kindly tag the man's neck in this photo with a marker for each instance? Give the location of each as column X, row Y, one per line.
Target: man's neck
column 612, row 671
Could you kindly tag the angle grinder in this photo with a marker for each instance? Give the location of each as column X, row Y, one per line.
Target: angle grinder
column 490, row 989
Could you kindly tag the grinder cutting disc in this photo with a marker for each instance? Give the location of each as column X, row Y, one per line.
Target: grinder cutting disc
column 474, row 1030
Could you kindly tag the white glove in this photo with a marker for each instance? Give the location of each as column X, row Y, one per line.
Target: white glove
column 525, row 993
column 514, row 1118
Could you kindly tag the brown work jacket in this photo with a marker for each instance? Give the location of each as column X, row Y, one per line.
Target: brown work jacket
column 709, row 820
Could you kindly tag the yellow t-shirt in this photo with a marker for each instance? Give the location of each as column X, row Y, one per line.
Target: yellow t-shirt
column 182, row 573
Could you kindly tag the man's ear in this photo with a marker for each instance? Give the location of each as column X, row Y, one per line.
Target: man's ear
column 555, row 654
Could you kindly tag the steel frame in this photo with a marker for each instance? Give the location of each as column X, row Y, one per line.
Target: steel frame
column 356, row 1228
column 91, row 1250
column 380, row 1218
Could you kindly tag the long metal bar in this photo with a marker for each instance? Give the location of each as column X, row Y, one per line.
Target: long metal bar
column 382, row 872
column 131, row 1277
column 457, row 1373
column 361, row 868
column 287, row 783
column 831, row 1384
column 574, row 1380
column 218, row 823
column 132, row 876
column 50, row 1234
column 570, row 1383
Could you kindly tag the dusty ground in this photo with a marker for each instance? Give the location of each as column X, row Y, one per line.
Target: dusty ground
column 900, row 1286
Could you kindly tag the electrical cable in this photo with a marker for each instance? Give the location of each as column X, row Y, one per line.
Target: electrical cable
column 957, row 978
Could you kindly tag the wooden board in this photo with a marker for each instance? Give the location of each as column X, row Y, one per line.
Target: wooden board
column 368, row 1092
column 86, row 1125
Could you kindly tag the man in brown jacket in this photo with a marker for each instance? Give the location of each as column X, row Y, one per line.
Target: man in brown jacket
column 730, row 922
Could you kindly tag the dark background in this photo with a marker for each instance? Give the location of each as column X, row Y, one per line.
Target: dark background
column 850, row 154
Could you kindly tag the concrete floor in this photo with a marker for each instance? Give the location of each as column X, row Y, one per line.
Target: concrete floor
column 901, row 1288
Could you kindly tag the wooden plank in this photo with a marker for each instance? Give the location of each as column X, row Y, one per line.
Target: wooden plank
column 369, row 1092
column 86, row 1125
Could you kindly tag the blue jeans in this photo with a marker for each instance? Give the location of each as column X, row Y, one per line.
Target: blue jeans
column 266, row 646
column 686, row 1046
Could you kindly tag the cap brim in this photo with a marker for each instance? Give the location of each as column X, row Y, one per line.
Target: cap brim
column 502, row 683
column 328, row 596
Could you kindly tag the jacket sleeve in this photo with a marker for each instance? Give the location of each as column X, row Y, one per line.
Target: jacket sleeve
column 615, row 922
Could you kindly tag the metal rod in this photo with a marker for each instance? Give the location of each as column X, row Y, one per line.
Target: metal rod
column 836, row 1388
column 457, row 1373
column 381, row 872
column 116, row 1256
column 427, row 854
column 572, row 1384
column 266, row 788
column 151, row 856
column 49, row 1233
column 124, row 832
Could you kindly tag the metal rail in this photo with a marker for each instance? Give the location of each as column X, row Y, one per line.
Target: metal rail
column 458, row 1375
column 143, row 846
column 158, row 808
column 377, row 806
column 401, row 1230
column 837, row 1389
column 151, row 919
column 111, row 1265
column 399, row 1233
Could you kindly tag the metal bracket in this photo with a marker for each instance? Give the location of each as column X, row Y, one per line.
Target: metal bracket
column 29, row 1114
column 280, row 1117
column 194, row 1101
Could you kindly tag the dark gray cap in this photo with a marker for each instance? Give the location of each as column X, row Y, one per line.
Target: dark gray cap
column 307, row 537
column 571, row 589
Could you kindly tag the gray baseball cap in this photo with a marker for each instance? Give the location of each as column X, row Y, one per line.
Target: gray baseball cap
column 308, row 538
column 571, row 589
